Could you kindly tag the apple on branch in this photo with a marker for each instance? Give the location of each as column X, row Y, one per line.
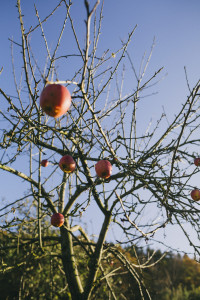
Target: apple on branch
column 197, row 161
column 44, row 163
column 57, row 220
column 103, row 168
column 67, row 164
column 55, row 100
column 195, row 194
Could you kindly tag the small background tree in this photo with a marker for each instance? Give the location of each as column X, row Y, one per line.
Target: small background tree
column 151, row 180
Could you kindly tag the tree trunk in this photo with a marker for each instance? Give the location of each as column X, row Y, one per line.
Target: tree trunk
column 96, row 258
column 69, row 264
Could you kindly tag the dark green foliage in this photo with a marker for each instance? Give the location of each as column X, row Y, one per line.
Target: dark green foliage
column 28, row 272
column 33, row 274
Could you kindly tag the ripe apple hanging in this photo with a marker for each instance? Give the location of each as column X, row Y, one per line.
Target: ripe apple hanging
column 57, row 220
column 197, row 161
column 103, row 168
column 195, row 194
column 44, row 163
column 55, row 100
column 67, row 164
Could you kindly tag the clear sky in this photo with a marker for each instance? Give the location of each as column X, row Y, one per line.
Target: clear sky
column 175, row 25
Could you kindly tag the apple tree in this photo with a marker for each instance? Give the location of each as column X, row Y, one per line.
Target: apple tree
column 152, row 168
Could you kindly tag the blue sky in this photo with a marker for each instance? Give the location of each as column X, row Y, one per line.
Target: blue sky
column 174, row 24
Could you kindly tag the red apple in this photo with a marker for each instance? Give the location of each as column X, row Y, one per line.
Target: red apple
column 103, row 168
column 197, row 161
column 44, row 163
column 195, row 194
column 57, row 220
column 55, row 100
column 67, row 164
